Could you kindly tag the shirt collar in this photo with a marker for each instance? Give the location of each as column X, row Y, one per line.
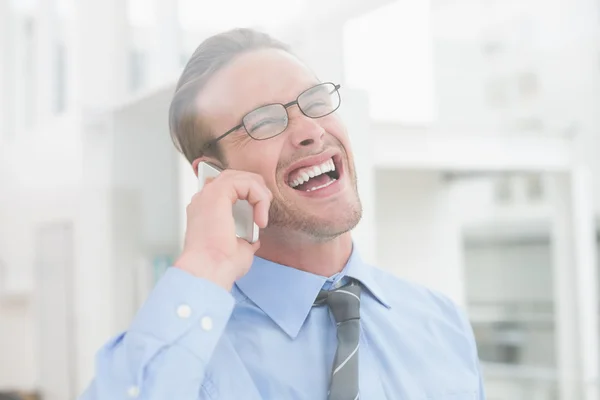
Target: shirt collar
column 287, row 294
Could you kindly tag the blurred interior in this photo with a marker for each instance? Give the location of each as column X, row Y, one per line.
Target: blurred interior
column 476, row 130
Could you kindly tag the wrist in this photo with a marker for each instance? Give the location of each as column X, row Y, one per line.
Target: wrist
column 200, row 267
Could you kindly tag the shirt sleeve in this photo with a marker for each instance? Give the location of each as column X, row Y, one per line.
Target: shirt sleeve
column 165, row 351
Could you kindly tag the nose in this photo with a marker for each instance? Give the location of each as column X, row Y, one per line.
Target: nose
column 306, row 132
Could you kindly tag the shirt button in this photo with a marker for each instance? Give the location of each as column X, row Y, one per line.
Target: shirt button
column 206, row 323
column 133, row 392
column 184, row 311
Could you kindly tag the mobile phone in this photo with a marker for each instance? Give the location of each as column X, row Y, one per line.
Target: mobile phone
column 243, row 213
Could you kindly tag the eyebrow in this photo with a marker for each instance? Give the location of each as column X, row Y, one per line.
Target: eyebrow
column 310, row 85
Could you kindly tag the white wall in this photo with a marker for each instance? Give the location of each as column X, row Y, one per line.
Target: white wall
column 5, row 56
column 487, row 53
column 418, row 236
column 39, row 171
column 22, row 213
column 145, row 163
column 449, row 235
column 129, row 215
column 16, row 238
column 17, row 351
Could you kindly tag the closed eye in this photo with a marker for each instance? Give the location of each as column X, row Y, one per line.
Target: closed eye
column 266, row 122
column 316, row 105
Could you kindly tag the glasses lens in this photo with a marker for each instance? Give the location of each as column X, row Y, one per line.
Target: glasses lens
column 320, row 100
column 266, row 122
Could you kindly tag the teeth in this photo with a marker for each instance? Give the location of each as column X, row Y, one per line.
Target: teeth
column 311, row 172
column 322, row 186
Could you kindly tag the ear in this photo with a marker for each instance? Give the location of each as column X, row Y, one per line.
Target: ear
column 210, row 160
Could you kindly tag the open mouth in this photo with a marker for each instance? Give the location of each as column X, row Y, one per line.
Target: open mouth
column 308, row 179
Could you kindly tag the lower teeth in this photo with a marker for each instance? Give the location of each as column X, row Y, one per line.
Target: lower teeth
column 322, row 186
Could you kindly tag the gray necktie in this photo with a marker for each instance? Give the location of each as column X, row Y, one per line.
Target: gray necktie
column 344, row 304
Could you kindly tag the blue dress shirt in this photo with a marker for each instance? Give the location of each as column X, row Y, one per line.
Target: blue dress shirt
column 193, row 340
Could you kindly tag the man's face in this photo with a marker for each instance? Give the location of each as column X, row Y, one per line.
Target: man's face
column 325, row 206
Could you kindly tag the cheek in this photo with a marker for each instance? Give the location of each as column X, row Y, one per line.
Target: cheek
column 335, row 127
column 340, row 134
column 262, row 160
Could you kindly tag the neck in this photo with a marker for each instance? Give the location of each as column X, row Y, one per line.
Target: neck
column 299, row 251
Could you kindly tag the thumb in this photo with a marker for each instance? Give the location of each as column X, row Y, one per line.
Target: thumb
column 255, row 246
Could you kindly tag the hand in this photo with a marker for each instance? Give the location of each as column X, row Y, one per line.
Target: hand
column 211, row 250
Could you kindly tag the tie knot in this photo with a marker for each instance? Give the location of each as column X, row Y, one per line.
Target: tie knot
column 344, row 302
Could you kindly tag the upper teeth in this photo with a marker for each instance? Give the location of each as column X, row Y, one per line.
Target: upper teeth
column 310, row 172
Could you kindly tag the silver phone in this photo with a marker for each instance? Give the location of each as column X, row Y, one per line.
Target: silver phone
column 243, row 213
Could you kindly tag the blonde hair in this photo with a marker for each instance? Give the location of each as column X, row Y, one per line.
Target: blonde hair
column 185, row 124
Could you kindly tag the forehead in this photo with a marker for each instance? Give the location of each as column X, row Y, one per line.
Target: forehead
column 251, row 80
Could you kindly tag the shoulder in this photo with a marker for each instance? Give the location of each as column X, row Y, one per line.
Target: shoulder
column 417, row 300
column 437, row 326
column 429, row 314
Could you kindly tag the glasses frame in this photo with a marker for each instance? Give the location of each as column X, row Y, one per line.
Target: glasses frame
column 336, row 87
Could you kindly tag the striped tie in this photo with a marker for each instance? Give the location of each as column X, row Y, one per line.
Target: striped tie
column 344, row 304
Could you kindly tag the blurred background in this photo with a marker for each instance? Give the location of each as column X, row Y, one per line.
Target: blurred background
column 476, row 127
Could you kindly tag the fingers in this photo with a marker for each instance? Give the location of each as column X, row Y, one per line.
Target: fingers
column 257, row 195
column 253, row 247
column 239, row 185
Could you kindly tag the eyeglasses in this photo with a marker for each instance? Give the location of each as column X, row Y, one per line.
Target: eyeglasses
column 271, row 120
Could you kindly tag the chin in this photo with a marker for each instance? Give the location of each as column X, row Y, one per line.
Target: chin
column 324, row 233
column 328, row 224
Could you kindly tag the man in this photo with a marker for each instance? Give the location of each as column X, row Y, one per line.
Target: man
column 296, row 315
